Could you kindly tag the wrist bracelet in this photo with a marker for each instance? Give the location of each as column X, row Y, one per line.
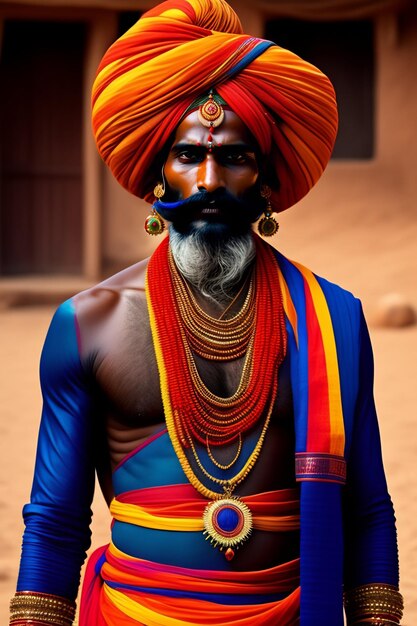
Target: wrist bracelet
column 32, row 606
column 376, row 603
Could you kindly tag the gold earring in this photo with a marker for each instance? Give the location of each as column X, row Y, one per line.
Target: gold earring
column 267, row 225
column 154, row 224
column 159, row 191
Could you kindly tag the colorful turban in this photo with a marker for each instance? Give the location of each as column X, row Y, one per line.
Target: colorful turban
column 180, row 50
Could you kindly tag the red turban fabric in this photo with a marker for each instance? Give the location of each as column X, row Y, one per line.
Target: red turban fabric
column 180, row 50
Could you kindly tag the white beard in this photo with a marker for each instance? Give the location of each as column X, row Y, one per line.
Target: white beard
column 214, row 268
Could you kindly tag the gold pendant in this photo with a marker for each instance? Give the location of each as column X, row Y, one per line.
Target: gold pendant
column 227, row 523
column 268, row 225
column 210, row 113
column 154, row 224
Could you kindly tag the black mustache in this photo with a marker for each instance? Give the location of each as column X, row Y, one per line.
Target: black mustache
column 201, row 200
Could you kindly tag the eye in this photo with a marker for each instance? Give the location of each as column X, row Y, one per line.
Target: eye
column 237, row 157
column 188, row 155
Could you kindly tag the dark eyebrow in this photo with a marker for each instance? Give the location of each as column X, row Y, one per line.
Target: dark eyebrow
column 182, row 145
column 233, row 146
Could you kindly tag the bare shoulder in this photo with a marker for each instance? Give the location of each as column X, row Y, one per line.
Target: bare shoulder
column 105, row 312
column 97, row 302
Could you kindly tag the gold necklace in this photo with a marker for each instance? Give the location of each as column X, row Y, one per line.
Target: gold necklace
column 232, row 462
column 193, row 413
column 230, row 483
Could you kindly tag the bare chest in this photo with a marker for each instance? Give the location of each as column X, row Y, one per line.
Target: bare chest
column 127, row 375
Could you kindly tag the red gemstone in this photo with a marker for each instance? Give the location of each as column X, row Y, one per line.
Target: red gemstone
column 229, row 554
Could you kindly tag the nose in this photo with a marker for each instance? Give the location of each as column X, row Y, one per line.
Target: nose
column 210, row 175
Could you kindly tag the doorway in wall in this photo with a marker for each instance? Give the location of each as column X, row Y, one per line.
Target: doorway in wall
column 41, row 82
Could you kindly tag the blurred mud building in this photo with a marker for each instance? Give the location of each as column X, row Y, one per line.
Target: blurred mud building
column 61, row 213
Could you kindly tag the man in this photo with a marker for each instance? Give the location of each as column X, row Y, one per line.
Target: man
column 192, row 381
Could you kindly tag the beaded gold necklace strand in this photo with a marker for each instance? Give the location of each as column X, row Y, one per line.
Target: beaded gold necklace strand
column 193, row 413
column 230, row 483
column 224, row 466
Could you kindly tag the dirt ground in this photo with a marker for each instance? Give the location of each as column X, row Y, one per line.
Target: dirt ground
column 22, row 332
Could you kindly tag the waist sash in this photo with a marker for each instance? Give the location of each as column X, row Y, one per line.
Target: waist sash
column 181, row 508
column 120, row 590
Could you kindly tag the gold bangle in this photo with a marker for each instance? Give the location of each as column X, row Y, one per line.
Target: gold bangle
column 375, row 603
column 374, row 621
column 42, row 607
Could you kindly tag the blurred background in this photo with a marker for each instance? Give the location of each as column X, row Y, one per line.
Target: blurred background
column 65, row 223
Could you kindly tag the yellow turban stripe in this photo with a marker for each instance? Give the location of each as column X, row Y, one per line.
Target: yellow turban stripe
column 178, row 51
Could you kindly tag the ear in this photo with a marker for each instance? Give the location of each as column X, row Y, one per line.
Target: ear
column 267, row 174
column 159, row 161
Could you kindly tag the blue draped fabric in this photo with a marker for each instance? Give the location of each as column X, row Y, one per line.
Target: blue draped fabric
column 360, row 514
column 58, row 516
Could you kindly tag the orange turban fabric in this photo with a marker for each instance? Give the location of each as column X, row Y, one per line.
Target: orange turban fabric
column 180, row 50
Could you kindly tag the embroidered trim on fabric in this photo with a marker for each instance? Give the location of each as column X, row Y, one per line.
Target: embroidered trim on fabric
column 320, row 467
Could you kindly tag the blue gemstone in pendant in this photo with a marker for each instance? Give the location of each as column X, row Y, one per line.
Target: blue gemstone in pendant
column 228, row 519
column 227, row 523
